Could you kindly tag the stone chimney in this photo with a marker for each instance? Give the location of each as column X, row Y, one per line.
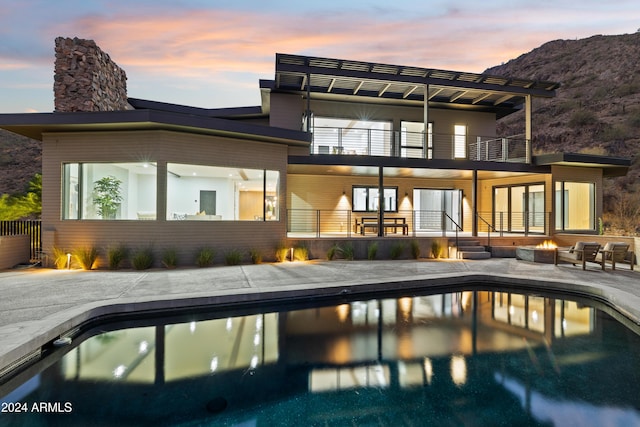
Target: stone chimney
column 86, row 79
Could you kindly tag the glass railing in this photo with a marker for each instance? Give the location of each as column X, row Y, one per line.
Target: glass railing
column 386, row 143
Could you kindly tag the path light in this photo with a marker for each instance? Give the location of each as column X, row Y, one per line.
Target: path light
column 68, row 261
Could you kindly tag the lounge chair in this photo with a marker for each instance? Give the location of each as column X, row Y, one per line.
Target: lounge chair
column 614, row 252
column 582, row 252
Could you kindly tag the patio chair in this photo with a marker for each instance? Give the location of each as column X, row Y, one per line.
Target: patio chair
column 581, row 252
column 614, row 252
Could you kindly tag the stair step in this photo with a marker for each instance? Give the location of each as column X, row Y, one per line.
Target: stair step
column 471, row 249
column 474, row 255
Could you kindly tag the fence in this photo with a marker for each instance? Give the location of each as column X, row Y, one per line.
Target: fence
column 31, row 227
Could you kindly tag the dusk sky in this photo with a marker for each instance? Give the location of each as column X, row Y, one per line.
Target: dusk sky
column 211, row 53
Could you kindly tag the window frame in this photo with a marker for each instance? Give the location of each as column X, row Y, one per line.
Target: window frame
column 368, row 198
column 73, row 204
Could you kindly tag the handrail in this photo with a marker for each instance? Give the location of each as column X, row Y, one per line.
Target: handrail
column 457, row 226
column 489, row 228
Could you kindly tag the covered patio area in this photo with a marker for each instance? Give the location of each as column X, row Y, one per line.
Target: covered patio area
column 414, row 198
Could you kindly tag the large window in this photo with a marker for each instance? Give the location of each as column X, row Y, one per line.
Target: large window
column 351, row 136
column 110, row 191
column 575, row 205
column 431, row 203
column 414, row 142
column 367, row 199
column 519, row 208
column 210, row 193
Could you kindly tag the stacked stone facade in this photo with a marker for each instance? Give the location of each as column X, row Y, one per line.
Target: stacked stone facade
column 86, row 79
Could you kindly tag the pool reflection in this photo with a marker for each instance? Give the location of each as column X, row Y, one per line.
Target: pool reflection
column 475, row 351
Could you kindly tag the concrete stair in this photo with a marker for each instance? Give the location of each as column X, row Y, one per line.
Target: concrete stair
column 471, row 249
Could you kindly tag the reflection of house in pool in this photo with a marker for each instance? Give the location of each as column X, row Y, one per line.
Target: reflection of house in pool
column 422, row 357
column 413, row 152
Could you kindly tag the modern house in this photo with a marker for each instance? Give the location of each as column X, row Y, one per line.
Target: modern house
column 338, row 149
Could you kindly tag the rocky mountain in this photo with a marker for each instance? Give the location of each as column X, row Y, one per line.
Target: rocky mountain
column 20, row 160
column 596, row 110
column 597, row 107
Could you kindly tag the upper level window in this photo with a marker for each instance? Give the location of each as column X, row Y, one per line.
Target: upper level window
column 109, row 191
column 210, row 193
column 351, row 136
column 459, row 141
column 367, row 199
column 414, row 143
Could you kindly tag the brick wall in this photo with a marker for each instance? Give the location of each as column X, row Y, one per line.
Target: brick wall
column 86, row 79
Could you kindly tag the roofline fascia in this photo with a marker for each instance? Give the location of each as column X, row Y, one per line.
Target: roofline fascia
column 151, row 118
column 303, row 70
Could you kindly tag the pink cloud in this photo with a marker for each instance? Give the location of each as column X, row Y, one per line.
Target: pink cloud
column 208, row 42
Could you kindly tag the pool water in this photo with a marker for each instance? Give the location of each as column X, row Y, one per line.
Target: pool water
column 463, row 358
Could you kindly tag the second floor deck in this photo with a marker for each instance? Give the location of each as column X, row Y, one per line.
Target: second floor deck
column 421, row 145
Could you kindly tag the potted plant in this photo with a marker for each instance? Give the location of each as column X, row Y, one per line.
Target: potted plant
column 106, row 196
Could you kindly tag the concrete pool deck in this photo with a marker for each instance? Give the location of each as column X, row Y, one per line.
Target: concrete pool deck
column 38, row 305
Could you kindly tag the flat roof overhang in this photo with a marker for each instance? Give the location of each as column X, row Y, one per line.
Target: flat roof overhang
column 326, row 78
column 344, row 165
column 611, row 166
column 34, row 125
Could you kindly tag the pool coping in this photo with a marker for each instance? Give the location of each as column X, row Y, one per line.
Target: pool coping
column 27, row 339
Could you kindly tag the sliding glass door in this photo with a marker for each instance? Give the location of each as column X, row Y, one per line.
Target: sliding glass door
column 519, row 208
column 437, row 208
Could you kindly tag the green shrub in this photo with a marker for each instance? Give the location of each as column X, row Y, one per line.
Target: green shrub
column 415, row 249
column 436, row 249
column 205, row 257
column 233, row 257
column 396, row 250
column 170, row 258
column 142, row 259
column 332, row 252
column 116, row 255
column 60, row 258
column 372, row 250
column 281, row 252
column 301, row 253
column 86, row 257
column 347, row 251
column 256, row 256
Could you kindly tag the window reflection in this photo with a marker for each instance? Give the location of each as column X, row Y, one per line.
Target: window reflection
column 347, row 342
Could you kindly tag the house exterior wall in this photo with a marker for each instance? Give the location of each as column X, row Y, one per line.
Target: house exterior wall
column 286, row 111
column 161, row 147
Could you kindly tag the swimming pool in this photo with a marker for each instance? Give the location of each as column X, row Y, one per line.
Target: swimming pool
column 475, row 356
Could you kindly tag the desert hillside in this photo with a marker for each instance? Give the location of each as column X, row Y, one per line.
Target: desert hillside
column 597, row 107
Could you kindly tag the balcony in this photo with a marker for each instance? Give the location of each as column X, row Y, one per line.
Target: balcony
column 418, row 145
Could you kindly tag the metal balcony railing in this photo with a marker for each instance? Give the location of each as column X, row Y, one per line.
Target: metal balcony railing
column 387, row 143
column 328, row 223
